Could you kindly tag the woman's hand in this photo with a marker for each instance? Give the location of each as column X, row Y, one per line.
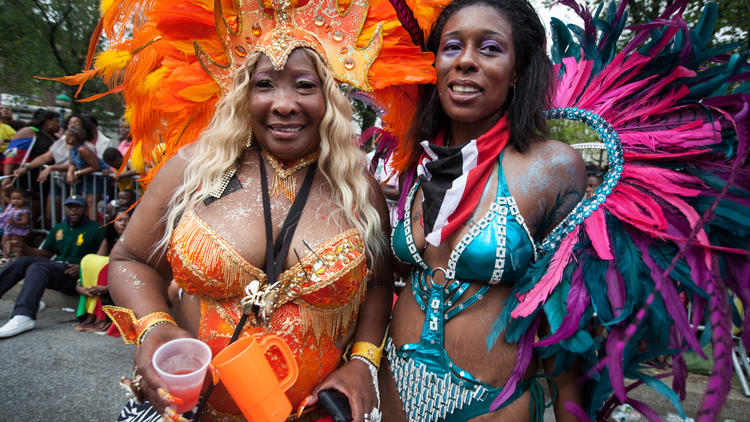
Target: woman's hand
column 70, row 177
column 20, row 171
column 151, row 382
column 355, row 381
column 43, row 175
column 84, row 291
column 98, row 290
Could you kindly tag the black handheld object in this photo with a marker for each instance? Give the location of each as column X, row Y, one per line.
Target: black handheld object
column 336, row 404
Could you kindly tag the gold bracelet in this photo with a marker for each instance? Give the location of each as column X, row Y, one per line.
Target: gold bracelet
column 368, row 351
column 143, row 325
column 133, row 330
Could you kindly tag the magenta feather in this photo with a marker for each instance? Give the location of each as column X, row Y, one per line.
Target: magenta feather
column 666, row 288
column 408, row 21
column 721, row 338
column 679, row 367
column 596, row 230
column 645, row 410
column 583, row 13
column 523, row 358
column 615, row 289
column 531, row 300
column 615, row 347
column 574, row 409
column 577, row 302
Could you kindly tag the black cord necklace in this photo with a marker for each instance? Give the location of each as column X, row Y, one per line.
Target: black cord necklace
column 276, row 252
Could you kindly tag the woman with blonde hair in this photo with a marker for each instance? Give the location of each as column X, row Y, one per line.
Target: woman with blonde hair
column 299, row 121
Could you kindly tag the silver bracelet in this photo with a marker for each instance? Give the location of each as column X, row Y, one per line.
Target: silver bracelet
column 374, row 415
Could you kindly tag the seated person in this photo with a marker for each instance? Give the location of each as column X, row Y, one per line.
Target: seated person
column 125, row 199
column 68, row 242
column 92, row 286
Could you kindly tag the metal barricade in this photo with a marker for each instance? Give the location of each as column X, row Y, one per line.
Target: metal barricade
column 47, row 198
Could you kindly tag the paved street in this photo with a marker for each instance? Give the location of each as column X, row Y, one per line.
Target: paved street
column 54, row 373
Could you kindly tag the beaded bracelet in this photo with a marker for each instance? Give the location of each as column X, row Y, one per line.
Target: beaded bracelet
column 375, row 414
column 148, row 330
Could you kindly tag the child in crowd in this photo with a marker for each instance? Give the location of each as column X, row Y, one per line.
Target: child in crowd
column 92, row 286
column 16, row 223
column 124, row 180
column 125, row 199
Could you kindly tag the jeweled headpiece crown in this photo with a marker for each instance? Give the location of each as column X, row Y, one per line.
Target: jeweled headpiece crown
column 320, row 25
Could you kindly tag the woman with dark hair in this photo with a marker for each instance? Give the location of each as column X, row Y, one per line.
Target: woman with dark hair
column 84, row 162
column 488, row 189
column 44, row 126
column 58, row 154
column 42, row 131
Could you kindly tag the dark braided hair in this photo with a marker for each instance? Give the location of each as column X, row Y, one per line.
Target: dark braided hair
column 532, row 94
column 409, row 22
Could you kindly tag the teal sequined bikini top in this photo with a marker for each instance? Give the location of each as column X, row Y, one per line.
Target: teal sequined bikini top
column 498, row 248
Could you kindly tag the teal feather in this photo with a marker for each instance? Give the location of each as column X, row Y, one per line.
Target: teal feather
column 662, row 255
column 579, row 343
column 563, row 45
column 660, row 388
column 594, row 270
column 706, row 334
column 708, row 87
column 717, row 183
column 707, row 22
column 599, row 394
column 635, row 275
column 608, row 46
column 555, row 306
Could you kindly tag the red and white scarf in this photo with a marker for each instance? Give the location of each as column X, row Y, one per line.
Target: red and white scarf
column 453, row 179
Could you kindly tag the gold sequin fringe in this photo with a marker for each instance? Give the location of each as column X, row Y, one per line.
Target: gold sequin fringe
column 330, row 322
column 285, row 180
column 198, row 243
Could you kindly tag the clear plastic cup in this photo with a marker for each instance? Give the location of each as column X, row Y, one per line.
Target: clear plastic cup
column 182, row 364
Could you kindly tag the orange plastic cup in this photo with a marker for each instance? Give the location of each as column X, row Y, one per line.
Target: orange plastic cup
column 247, row 375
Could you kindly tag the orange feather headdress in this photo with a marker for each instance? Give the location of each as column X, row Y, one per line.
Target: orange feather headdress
column 172, row 59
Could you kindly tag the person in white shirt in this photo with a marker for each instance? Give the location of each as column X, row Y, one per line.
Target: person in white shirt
column 100, row 140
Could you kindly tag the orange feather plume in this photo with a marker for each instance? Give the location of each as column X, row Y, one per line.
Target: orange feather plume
column 170, row 98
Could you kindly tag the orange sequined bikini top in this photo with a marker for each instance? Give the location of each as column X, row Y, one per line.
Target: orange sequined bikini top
column 204, row 263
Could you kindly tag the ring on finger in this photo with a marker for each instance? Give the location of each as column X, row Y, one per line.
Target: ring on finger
column 134, row 387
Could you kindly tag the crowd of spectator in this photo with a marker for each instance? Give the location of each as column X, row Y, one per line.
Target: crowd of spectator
column 71, row 169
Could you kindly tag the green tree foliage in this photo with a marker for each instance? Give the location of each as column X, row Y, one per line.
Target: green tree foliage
column 49, row 38
column 732, row 25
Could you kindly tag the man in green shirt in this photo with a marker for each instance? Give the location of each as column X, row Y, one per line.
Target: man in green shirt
column 68, row 242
